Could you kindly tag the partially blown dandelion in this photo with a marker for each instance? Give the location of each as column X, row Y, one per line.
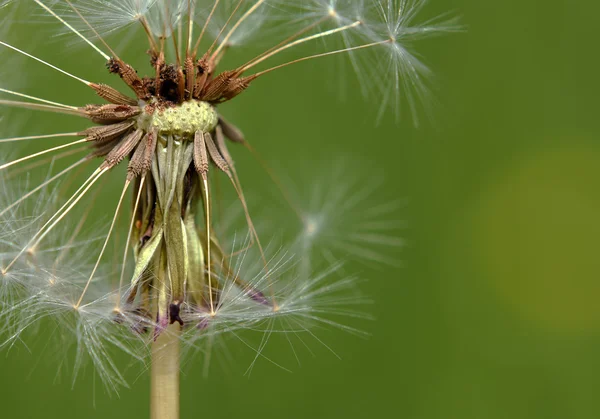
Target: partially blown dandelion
column 172, row 135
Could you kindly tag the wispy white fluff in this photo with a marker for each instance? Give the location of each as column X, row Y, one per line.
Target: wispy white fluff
column 43, row 287
column 301, row 302
column 397, row 76
column 253, row 27
column 342, row 215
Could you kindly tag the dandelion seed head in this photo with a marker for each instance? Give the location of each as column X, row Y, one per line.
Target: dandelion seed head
column 190, row 117
column 188, row 272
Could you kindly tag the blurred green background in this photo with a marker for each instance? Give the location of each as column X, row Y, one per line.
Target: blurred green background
column 494, row 312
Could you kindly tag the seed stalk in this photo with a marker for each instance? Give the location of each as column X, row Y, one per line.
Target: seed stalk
column 164, row 385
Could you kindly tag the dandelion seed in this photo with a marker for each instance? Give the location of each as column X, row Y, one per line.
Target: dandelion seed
column 341, row 217
column 171, row 135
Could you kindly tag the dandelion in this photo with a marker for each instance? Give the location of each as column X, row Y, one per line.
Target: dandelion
column 170, row 134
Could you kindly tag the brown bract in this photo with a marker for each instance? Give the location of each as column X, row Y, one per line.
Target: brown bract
column 119, row 135
column 173, row 83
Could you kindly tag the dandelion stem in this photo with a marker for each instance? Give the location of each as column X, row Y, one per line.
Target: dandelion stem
column 164, row 382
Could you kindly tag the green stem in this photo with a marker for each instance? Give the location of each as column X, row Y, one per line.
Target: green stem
column 164, row 392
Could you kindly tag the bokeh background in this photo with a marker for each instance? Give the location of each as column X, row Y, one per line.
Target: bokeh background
column 493, row 311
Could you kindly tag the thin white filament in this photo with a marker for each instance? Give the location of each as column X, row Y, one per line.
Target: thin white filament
column 125, row 252
column 75, row 31
column 42, row 185
column 49, row 102
column 324, row 54
column 208, row 19
column 39, row 107
column 92, row 180
column 110, row 230
column 207, row 199
column 191, row 10
column 301, row 41
column 45, row 63
column 237, row 25
column 39, row 137
column 51, row 223
column 49, row 150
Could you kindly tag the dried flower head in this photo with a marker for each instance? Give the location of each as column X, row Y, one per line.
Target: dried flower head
column 170, row 133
